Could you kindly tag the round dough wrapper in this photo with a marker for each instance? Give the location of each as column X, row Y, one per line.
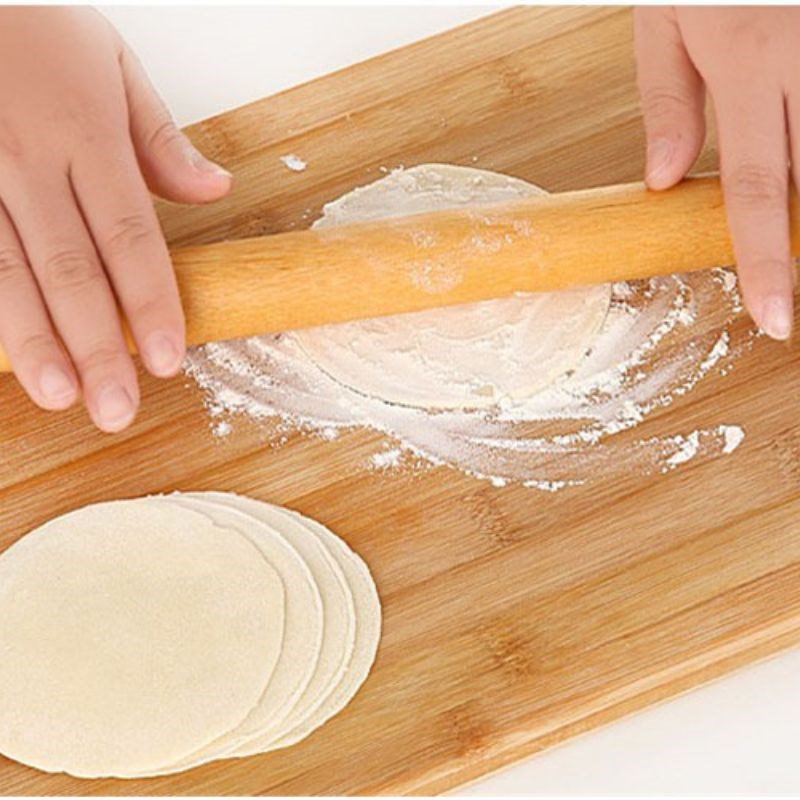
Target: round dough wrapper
column 368, row 630
column 360, row 657
column 133, row 634
column 302, row 635
column 339, row 627
column 464, row 356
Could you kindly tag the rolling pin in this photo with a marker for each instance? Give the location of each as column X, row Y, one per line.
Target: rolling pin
column 306, row 278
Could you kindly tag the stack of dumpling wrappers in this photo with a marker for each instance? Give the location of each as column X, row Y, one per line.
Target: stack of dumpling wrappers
column 145, row 637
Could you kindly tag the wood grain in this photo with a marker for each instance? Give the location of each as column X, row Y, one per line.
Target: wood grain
column 513, row 619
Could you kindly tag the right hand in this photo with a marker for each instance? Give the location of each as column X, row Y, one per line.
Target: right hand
column 748, row 59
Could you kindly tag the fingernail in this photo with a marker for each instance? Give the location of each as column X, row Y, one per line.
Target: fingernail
column 115, row 409
column 659, row 157
column 162, row 354
column 776, row 317
column 56, row 386
column 202, row 164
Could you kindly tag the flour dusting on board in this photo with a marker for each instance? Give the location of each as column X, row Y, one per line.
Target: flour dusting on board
column 656, row 341
column 294, row 163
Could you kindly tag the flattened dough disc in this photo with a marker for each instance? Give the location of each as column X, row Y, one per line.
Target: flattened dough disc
column 302, row 637
column 342, row 676
column 368, row 630
column 339, row 615
column 460, row 357
column 133, row 634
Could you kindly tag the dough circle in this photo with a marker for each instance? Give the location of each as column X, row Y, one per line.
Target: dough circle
column 339, row 614
column 133, row 634
column 145, row 637
column 367, row 633
column 303, row 623
column 464, row 356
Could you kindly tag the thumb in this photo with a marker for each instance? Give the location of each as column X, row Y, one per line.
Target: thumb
column 672, row 96
column 172, row 166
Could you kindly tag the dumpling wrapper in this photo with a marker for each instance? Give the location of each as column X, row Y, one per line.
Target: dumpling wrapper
column 347, row 670
column 133, row 635
column 465, row 356
column 368, row 631
column 338, row 606
column 349, row 675
column 303, row 627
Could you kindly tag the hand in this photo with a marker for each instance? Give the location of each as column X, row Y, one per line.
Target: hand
column 82, row 137
column 749, row 60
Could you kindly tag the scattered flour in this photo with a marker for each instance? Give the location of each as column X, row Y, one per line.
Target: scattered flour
column 688, row 447
column 294, row 163
column 724, row 439
column 223, row 428
column 733, row 436
column 659, row 340
column 387, row 458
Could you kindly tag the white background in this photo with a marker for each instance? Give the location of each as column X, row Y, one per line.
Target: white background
column 740, row 735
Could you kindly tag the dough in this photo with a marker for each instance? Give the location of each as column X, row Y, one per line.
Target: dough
column 339, row 613
column 133, row 634
column 459, row 357
column 368, row 631
column 146, row 637
column 302, row 636
column 349, row 644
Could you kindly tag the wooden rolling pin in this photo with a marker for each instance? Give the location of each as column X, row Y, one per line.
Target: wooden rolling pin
column 307, row 278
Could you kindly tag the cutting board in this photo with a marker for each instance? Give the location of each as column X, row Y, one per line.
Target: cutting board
column 514, row 619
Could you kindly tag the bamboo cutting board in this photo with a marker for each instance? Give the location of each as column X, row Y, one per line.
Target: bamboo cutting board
column 514, row 619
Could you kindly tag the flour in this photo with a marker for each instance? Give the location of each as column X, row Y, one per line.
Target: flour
column 724, row 438
column 294, row 163
column 733, row 437
column 223, row 428
column 688, row 447
column 656, row 341
column 387, row 458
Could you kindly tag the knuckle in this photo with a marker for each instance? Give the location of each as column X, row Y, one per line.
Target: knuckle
column 756, row 185
column 102, row 357
column 128, row 233
column 89, row 122
column 93, row 135
column 70, row 269
column 661, row 103
column 12, row 265
column 35, row 344
column 147, row 308
column 164, row 134
column 11, row 143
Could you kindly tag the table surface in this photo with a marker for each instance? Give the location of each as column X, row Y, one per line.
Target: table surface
column 737, row 735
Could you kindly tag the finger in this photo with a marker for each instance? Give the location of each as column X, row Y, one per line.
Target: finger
column 792, row 106
column 26, row 332
column 123, row 224
column 755, row 176
column 77, row 293
column 171, row 165
column 672, row 97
